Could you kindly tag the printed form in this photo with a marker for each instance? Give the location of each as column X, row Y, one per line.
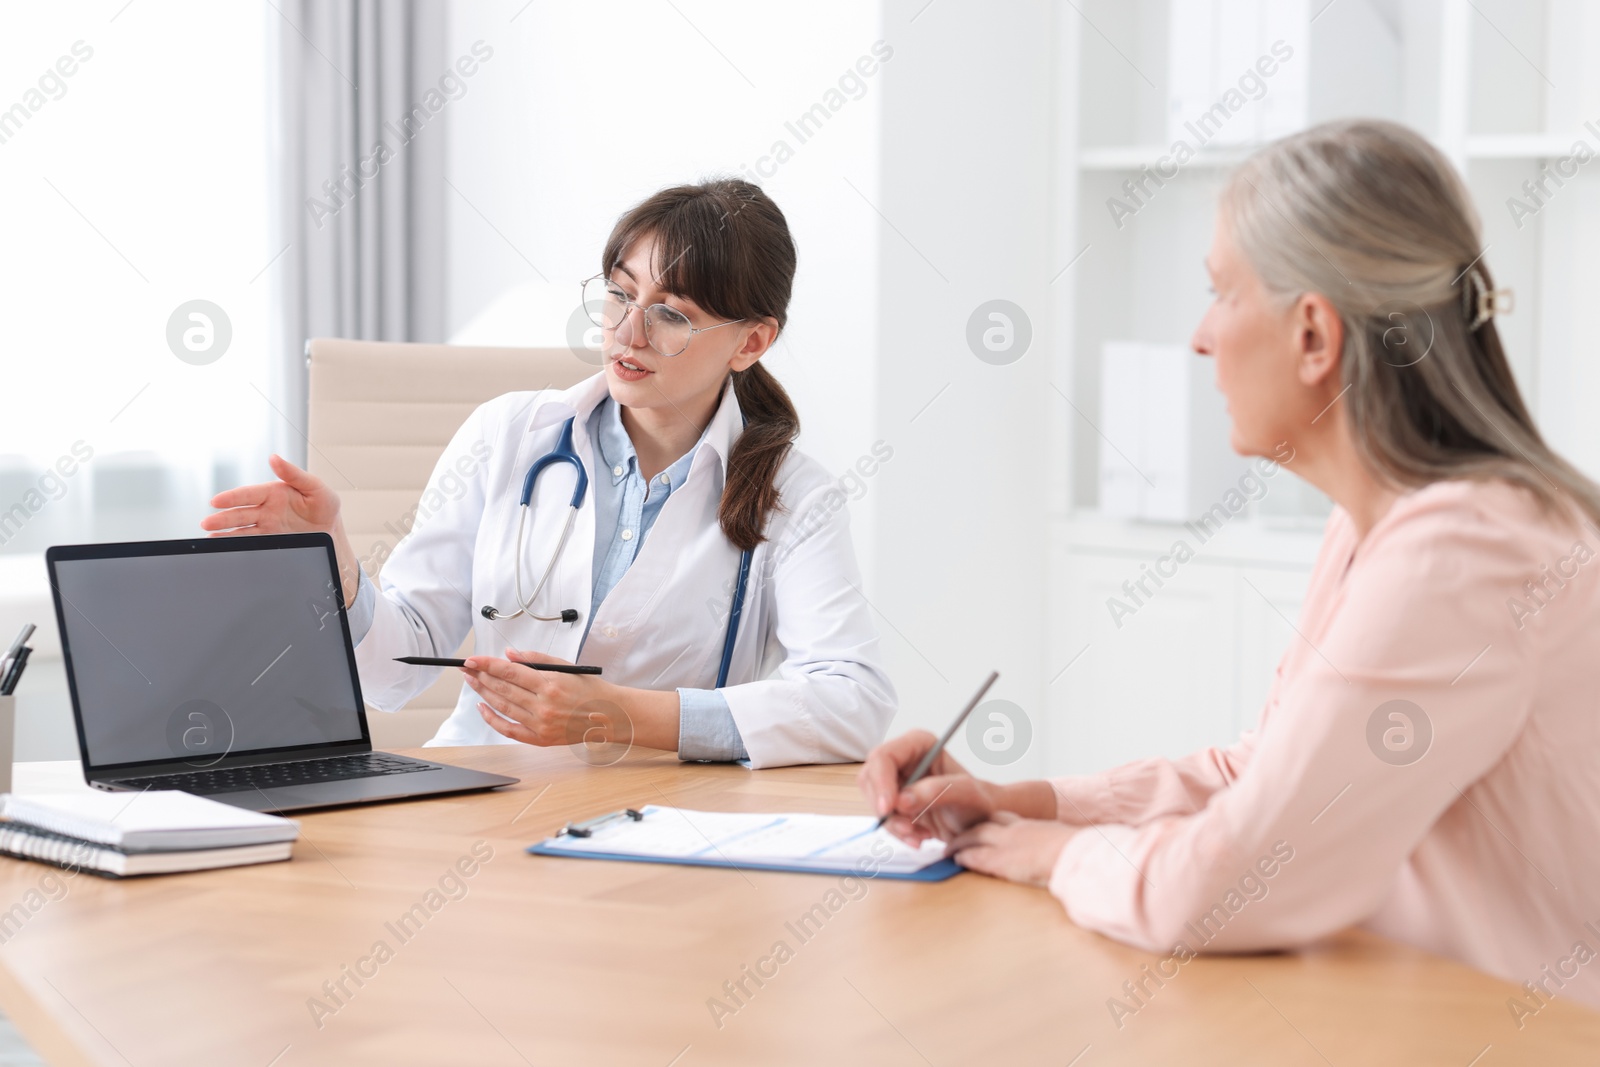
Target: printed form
column 790, row 839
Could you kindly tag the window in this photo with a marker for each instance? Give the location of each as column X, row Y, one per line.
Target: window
column 133, row 162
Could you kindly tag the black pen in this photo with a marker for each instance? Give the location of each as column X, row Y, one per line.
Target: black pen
column 8, row 684
column 438, row 661
column 933, row 753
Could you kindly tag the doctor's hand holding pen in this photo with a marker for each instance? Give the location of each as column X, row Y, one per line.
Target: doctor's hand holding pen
column 1010, row 831
column 550, row 708
column 299, row 502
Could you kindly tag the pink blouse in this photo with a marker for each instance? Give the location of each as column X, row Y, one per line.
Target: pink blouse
column 1427, row 763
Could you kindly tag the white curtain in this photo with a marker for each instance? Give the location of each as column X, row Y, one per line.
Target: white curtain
column 358, row 148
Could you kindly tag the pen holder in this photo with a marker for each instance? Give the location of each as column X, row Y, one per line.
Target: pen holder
column 8, row 734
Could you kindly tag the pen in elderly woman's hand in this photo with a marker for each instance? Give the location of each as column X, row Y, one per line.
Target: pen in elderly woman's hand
column 933, row 753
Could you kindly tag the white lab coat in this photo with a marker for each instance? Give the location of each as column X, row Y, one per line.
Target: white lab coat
column 806, row 683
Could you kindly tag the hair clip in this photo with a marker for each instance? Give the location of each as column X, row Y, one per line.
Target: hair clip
column 1483, row 303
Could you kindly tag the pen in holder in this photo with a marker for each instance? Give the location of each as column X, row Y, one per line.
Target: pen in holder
column 8, row 732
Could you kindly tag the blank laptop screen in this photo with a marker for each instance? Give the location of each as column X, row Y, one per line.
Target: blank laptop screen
column 196, row 655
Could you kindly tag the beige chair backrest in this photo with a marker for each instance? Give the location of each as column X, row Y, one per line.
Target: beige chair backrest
column 381, row 415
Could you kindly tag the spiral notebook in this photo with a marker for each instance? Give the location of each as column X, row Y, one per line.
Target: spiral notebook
column 798, row 842
column 152, row 821
column 76, row 854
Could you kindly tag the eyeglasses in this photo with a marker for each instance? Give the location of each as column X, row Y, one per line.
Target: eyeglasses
column 666, row 329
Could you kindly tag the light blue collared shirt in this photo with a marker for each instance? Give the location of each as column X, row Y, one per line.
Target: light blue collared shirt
column 625, row 510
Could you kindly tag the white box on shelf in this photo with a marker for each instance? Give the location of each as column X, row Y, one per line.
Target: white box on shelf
column 1122, row 429
column 1285, row 107
column 1166, row 456
column 1571, row 28
column 1218, row 55
column 1236, row 40
column 1191, row 66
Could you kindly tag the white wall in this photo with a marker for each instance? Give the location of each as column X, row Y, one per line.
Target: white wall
column 967, row 217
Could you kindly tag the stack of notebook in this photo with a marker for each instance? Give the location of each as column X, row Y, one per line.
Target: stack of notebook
column 154, row 832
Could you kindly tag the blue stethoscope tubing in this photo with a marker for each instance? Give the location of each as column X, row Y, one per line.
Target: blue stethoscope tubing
column 564, row 453
column 735, row 611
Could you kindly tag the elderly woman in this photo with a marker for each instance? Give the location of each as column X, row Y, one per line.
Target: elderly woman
column 1428, row 760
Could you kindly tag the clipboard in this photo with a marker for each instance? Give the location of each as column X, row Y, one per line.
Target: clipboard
column 745, row 841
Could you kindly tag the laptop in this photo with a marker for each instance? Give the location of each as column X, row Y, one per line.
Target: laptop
column 223, row 666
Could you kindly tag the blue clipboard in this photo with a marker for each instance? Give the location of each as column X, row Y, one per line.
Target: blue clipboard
column 934, row 872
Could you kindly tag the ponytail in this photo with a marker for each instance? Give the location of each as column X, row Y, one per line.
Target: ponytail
column 750, row 493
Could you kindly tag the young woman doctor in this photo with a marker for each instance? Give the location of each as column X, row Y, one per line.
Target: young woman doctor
column 684, row 443
column 1425, row 764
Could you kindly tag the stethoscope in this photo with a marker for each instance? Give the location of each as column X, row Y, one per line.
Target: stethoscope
column 564, row 453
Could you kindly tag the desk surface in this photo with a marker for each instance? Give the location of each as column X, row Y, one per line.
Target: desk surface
column 535, row 960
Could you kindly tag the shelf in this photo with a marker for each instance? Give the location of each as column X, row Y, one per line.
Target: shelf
column 1490, row 106
column 1483, row 146
column 1521, row 145
column 1272, row 542
column 1133, row 157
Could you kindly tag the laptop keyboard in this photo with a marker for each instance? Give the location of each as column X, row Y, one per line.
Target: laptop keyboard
column 278, row 775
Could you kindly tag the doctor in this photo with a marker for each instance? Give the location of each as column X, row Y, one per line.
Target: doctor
column 684, row 442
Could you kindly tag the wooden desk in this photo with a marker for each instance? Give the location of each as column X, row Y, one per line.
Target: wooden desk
column 556, row 961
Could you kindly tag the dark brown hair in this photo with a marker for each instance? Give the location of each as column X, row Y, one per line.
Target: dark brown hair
column 725, row 245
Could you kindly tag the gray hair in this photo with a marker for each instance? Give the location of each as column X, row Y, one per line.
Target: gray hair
column 1374, row 218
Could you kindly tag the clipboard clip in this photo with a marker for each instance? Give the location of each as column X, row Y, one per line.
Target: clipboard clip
column 589, row 826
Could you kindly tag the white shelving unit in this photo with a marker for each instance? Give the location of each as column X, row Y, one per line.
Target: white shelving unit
column 1504, row 88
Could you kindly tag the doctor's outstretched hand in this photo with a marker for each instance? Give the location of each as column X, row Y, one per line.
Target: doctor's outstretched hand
column 1009, row 831
column 549, row 708
column 298, row 502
